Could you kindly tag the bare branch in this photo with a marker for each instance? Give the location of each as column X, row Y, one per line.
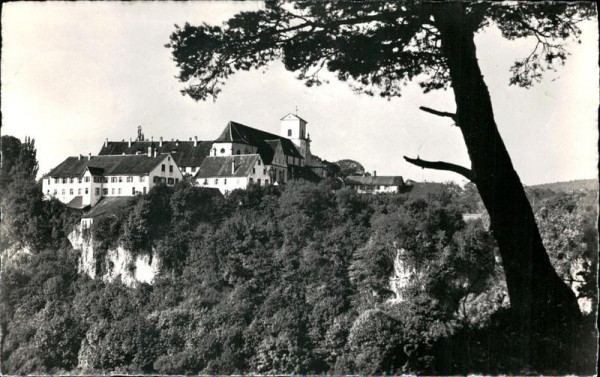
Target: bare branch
column 441, row 165
column 438, row 113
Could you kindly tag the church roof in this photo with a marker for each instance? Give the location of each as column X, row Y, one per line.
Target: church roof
column 294, row 115
column 106, row 165
column 220, row 166
column 238, row 133
column 353, row 180
column 184, row 153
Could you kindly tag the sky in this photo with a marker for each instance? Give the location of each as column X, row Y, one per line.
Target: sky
column 75, row 73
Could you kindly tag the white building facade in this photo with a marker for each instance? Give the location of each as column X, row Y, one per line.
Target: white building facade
column 81, row 181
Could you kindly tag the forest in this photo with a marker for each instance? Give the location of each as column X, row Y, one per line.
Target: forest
column 296, row 279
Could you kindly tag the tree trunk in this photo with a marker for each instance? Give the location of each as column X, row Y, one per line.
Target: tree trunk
column 539, row 299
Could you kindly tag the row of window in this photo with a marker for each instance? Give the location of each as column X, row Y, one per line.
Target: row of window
column 113, row 191
column 163, row 167
column 251, row 180
column 118, row 179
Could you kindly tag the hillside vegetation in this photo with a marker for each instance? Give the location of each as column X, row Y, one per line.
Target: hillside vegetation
column 295, row 279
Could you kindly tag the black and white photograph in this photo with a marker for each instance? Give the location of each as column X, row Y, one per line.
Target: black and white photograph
column 299, row 188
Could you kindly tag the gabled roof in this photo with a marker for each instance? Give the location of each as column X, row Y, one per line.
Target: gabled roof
column 294, row 115
column 220, row 166
column 108, row 165
column 77, row 203
column 107, row 205
column 183, row 152
column 353, row 180
column 238, row 133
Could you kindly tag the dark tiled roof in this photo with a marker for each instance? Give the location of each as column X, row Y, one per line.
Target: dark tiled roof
column 107, row 205
column 424, row 190
column 220, row 166
column 353, row 180
column 95, row 171
column 239, row 133
column 76, row 202
column 110, row 165
column 183, row 152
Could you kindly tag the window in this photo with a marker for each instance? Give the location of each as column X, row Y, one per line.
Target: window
column 63, row 191
column 97, row 179
column 119, row 191
column 265, row 171
column 289, row 132
column 64, row 180
column 251, row 180
column 133, row 191
column 142, row 179
column 48, row 192
column 113, row 179
column 253, row 170
column 176, row 180
column 144, row 190
column 162, row 167
column 87, row 179
column 55, row 192
column 87, row 190
column 104, row 180
column 222, row 150
column 56, row 180
column 205, row 182
column 266, row 182
column 216, row 181
column 129, row 179
column 79, row 180
column 170, row 168
column 193, row 169
column 258, row 181
column 170, row 181
column 105, row 191
column 258, row 162
column 112, row 192
column 97, row 190
column 120, row 179
column 71, row 192
column 225, row 181
column 71, row 180
column 238, row 152
column 78, row 191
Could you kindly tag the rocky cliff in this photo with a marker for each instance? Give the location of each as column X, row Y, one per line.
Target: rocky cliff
column 119, row 263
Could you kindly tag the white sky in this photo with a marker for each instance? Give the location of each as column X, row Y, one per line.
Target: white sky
column 74, row 74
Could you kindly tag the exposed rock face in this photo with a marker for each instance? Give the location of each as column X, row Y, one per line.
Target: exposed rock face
column 401, row 276
column 121, row 264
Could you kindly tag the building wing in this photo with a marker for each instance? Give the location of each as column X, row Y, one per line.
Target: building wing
column 106, row 165
column 184, row 153
column 227, row 166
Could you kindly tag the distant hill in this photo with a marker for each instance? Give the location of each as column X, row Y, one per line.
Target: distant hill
column 569, row 186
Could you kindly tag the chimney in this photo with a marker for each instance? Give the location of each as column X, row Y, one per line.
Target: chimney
column 89, row 156
column 195, row 141
column 79, row 157
column 129, row 144
column 152, row 139
column 374, row 173
column 160, row 142
column 233, row 167
column 154, row 153
column 190, row 139
column 150, row 151
column 177, row 142
column 106, row 142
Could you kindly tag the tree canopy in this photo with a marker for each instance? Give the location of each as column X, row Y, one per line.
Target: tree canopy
column 376, row 46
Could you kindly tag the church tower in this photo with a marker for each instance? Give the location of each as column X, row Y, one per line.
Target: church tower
column 294, row 128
